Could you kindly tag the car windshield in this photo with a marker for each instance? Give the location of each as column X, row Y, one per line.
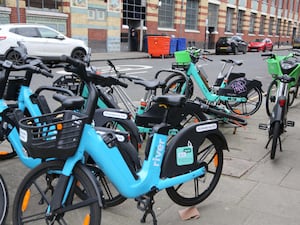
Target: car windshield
column 257, row 40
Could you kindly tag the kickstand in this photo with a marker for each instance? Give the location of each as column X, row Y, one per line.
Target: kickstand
column 145, row 203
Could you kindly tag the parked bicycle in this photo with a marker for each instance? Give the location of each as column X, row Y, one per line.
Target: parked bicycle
column 241, row 96
column 3, row 201
column 22, row 101
column 192, row 157
column 147, row 113
column 278, row 116
column 280, row 65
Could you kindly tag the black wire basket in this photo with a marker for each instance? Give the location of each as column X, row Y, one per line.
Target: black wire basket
column 55, row 135
column 71, row 82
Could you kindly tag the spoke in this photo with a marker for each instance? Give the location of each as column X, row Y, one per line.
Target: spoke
column 28, row 219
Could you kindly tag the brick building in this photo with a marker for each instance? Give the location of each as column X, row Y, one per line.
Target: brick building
column 120, row 25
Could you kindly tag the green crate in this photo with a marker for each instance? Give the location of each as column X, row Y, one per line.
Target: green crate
column 182, row 57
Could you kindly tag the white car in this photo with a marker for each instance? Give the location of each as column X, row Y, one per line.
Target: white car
column 41, row 41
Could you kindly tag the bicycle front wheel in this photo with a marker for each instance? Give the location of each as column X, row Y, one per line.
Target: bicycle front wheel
column 196, row 191
column 275, row 137
column 251, row 106
column 7, row 152
column 35, row 193
column 3, row 201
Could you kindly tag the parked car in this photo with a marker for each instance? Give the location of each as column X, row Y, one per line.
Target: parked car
column 265, row 44
column 234, row 44
column 296, row 43
column 41, row 41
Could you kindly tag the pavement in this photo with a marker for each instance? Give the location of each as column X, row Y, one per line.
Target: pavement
column 253, row 189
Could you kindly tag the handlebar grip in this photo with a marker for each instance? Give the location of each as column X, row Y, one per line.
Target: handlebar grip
column 46, row 73
column 267, row 54
column 122, row 84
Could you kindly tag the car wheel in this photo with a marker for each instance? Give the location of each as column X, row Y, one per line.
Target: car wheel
column 78, row 54
column 14, row 57
column 235, row 50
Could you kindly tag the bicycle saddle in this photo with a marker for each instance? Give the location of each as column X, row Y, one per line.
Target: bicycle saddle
column 236, row 62
column 69, row 102
column 285, row 78
column 170, row 100
column 150, row 84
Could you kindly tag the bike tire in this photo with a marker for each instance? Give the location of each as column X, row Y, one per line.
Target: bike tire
column 291, row 97
column 211, row 152
column 110, row 194
column 175, row 86
column 3, row 201
column 275, row 128
column 36, row 192
column 271, row 97
column 4, row 155
column 248, row 108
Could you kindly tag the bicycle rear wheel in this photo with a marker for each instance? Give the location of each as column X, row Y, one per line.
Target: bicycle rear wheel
column 3, row 201
column 275, row 129
column 271, row 97
column 196, row 191
column 110, row 194
column 36, row 192
column 251, row 106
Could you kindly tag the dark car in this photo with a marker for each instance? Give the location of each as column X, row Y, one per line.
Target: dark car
column 296, row 43
column 260, row 45
column 234, row 44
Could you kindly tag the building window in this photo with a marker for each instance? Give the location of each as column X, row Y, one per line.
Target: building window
column 288, row 32
column 252, row 23
column 229, row 19
column 271, row 24
column 240, row 17
column 43, row 4
column 133, row 10
column 278, row 26
column 212, row 18
column 96, row 14
column 191, row 18
column 166, row 14
column 262, row 24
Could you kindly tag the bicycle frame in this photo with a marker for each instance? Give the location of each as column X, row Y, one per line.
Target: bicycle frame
column 24, row 102
column 210, row 97
column 116, row 169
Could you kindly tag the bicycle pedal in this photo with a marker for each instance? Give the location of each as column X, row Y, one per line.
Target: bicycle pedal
column 263, row 126
column 273, row 98
column 290, row 123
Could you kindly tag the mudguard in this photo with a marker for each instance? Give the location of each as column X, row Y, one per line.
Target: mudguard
column 103, row 116
column 181, row 153
column 239, row 87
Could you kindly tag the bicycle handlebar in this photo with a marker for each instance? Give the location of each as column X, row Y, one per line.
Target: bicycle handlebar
column 44, row 70
column 98, row 79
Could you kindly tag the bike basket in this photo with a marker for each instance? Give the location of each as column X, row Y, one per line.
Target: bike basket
column 71, row 82
column 273, row 67
column 54, row 135
column 12, row 87
column 182, row 57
